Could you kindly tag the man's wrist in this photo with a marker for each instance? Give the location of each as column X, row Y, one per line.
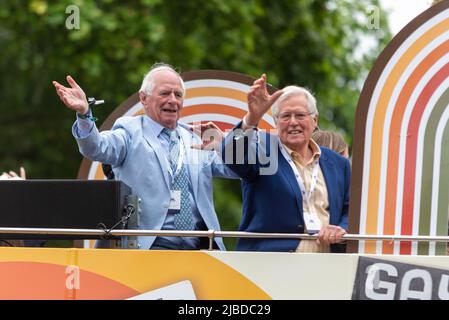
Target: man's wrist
column 245, row 130
column 84, row 110
column 83, row 115
column 247, row 124
column 87, row 115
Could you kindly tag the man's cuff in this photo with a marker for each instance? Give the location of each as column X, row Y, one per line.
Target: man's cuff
column 239, row 133
column 83, row 127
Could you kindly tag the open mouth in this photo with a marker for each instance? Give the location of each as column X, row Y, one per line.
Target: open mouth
column 169, row 110
column 295, row 132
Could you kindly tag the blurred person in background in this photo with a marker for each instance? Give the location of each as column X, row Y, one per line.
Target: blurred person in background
column 332, row 140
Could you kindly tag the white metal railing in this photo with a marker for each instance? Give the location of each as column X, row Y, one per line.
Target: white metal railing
column 211, row 234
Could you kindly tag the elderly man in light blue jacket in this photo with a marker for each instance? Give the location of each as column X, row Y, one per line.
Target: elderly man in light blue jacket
column 152, row 154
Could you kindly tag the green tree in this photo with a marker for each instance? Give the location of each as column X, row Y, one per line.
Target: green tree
column 314, row 43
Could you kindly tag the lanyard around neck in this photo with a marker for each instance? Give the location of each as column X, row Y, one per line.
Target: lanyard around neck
column 306, row 196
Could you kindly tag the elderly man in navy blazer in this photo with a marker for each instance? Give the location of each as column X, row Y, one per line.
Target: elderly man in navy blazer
column 289, row 183
column 152, row 154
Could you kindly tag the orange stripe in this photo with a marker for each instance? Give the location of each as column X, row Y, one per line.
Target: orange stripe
column 218, row 92
column 29, row 280
column 378, row 126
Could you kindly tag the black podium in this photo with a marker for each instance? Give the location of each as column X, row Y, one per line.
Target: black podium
column 72, row 204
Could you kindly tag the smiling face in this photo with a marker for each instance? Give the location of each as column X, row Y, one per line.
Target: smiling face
column 295, row 131
column 164, row 104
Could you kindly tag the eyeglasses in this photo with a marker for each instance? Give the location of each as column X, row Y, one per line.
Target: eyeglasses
column 286, row 116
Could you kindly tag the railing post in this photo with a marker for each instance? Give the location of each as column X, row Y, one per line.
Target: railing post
column 211, row 236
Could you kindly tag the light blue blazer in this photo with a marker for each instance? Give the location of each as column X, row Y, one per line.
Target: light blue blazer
column 137, row 159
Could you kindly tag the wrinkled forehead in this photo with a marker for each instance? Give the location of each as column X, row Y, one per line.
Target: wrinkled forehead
column 294, row 103
column 168, row 78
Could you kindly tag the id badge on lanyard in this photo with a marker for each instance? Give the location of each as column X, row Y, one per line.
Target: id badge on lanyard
column 175, row 200
column 313, row 223
column 175, row 195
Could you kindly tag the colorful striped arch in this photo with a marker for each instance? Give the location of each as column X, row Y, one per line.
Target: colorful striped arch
column 400, row 183
column 211, row 95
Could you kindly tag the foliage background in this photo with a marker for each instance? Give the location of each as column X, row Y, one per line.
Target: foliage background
column 313, row 43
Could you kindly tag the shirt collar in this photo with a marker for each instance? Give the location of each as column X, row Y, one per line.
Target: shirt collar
column 155, row 127
column 316, row 153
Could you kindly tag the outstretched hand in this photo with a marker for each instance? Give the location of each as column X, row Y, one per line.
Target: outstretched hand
column 259, row 100
column 73, row 97
column 211, row 136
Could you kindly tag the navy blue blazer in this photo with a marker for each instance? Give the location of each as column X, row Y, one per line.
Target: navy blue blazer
column 273, row 202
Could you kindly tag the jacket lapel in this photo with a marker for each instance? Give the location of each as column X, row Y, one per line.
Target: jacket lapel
column 330, row 180
column 289, row 175
column 156, row 146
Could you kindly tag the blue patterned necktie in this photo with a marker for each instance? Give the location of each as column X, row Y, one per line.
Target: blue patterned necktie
column 183, row 220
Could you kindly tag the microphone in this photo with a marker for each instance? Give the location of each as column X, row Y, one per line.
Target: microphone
column 94, row 102
column 108, row 172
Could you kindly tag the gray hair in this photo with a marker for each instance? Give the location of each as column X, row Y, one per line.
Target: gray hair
column 148, row 84
column 290, row 91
